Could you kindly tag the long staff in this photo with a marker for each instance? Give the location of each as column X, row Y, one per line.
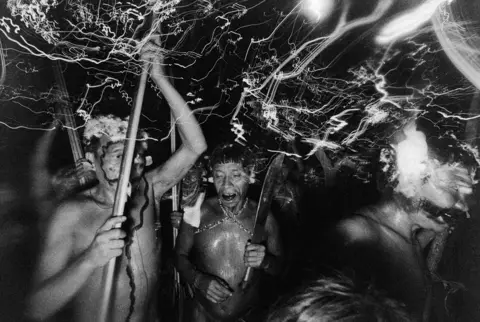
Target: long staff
column 175, row 205
column 66, row 110
column 122, row 188
column 126, row 167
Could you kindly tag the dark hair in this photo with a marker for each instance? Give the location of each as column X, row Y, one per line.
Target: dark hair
column 234, row 153
column 92, row 145
column 339, row 299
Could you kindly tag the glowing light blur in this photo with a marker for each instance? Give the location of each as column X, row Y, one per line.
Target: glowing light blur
column 317, row 10
column 413, row 164
column 408, row 22
column 460, row 40
column 291, row 85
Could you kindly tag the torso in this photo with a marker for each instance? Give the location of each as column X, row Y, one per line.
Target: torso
column 399, row 267
column 144, row 260
column 219, row 247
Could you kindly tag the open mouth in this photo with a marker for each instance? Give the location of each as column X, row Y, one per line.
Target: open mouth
column 228, row 196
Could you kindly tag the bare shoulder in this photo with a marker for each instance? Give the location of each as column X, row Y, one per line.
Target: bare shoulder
column 71, row 212
column 67, row 213
column 210, row 204
column 357, row 229
column 210, row 208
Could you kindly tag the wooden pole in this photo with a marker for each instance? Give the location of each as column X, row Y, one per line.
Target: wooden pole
column 65, row 109
column 175, row 205
column 122, row 188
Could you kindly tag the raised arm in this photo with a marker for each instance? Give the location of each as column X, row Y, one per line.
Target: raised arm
column 193, row 141
column 59, row 277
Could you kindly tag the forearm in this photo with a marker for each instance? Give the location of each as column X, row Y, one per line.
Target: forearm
column 54, row 293
column 186, row 269
column 189, row 129
column 272, row 264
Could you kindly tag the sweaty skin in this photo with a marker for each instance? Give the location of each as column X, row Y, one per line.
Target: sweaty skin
column 217, row 248
column 214, row 256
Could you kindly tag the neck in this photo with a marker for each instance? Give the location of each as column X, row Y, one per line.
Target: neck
column 236, row 208
column 393, row 217
column 105, row 194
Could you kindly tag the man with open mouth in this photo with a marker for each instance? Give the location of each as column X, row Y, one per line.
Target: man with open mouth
column 214, row 253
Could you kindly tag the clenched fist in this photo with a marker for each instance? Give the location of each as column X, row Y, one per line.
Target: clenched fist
column 108, row 242
column 213, row 288
column 254, row 255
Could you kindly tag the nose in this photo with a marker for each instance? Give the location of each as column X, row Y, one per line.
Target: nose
column 138, row 159
column 227, row 182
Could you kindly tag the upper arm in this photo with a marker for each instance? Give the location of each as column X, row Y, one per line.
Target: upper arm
column 173, row 170
column 184, row 241
column 57, row 245
column 272, row 230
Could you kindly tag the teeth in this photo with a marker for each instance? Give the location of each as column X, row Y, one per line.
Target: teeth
column 228, row 196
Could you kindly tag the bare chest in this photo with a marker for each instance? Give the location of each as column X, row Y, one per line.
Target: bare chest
column 137, row 267
column 219, row 245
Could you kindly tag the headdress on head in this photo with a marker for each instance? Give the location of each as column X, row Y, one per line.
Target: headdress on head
column 110, row 126
column 416, row 160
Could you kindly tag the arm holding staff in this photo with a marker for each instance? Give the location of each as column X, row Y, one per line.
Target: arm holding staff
column 193, row 141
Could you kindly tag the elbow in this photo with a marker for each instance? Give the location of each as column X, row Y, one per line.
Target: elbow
column 201, row 147
column 177, row 259
column 198, row 147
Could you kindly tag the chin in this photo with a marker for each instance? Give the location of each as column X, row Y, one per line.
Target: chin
column 438, row 225
column 113, row 183
column 230, row 202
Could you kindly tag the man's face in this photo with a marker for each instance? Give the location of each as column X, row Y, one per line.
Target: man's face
column 443, row 193
column 109, row 160
column 231, row 182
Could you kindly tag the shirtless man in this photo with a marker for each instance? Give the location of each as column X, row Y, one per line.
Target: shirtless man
column 213, row 255
column 380, row 243
column 81, row 237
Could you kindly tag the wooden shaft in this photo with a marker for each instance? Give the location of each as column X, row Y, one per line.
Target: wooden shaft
column 122, row 188
column 66, row 110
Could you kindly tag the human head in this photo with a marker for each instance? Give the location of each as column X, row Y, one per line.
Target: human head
column 429, row 177
column 339, row 299
column 232, row 167
column 104, row 139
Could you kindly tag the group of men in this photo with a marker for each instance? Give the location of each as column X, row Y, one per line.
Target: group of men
column 82, row 236
column 379, row 244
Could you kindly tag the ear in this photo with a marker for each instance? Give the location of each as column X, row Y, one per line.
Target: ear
column 91, row 158
column 148, row 161
column 251, row 177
